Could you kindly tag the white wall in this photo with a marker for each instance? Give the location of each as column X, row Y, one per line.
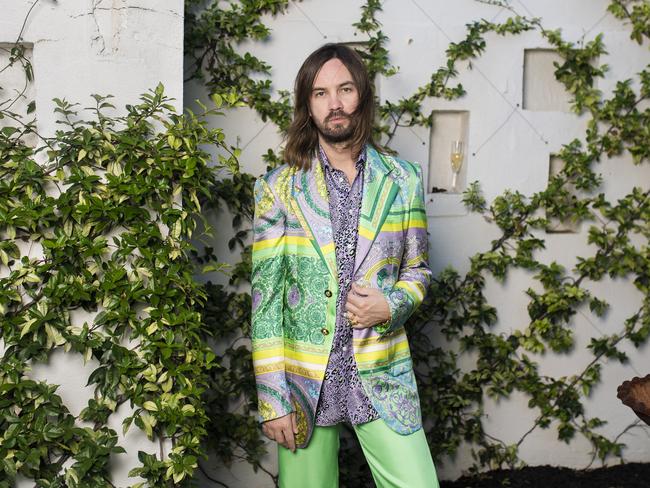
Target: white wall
column 80, row 47
column 509, row 148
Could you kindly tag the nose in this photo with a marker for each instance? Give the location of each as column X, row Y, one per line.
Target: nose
column 335, row 103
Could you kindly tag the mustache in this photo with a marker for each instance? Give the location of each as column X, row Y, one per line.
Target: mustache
column 337, row 114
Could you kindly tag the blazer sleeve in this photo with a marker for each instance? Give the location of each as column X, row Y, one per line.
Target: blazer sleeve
column 267, row 292
column 415, row 274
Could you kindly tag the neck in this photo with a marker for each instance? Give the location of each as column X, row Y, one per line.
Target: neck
column 340, row 155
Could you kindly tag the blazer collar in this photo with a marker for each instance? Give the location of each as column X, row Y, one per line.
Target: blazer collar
column 379, row 191
column 311, row 205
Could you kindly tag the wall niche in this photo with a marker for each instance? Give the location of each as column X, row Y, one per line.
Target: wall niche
column 447, row 126
column 541, row 91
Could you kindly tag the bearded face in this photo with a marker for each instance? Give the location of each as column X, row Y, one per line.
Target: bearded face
column 333, row 101
column 337, row 127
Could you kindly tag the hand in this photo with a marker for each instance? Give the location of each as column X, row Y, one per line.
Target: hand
column 366, row 307
column 282, row 430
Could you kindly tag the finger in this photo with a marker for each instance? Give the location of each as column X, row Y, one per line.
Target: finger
column 290, row 440
column 355, row 314
column 359, row 287
column 364, row 325
column 352, row 308
column 360, row 290
column 352, row 319
column 351, row 301
column 280, row 439
column 359, row 325
column 372, row 292
column 291, row 443
column 294, row 423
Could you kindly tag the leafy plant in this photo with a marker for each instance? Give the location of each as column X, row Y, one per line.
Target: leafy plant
column 115, row 205
column 111, row 210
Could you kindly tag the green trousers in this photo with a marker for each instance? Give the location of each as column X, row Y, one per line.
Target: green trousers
column 396, row 461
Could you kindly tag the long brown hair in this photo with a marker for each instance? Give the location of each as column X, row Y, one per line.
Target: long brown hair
column 302, row 136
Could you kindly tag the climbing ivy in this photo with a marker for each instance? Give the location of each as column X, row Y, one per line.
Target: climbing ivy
column 105, row 208
column 456, row 304
column 97, row 219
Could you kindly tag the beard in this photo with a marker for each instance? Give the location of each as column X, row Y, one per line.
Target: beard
column 336, row 133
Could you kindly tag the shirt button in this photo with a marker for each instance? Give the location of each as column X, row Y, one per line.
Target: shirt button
column 324, row 331
column 328, row 294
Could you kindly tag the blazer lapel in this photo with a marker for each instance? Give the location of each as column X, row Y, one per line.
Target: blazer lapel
column 311, row 206
column 379, row 191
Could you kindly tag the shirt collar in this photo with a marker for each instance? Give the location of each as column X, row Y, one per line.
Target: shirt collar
column 361, row 160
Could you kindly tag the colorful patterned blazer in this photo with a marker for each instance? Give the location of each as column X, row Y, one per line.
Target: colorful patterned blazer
column 295, row 286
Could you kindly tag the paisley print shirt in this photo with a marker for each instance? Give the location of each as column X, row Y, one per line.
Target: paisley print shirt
column 342, row 397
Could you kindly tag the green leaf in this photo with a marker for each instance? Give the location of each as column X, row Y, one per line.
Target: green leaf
column 151, row 406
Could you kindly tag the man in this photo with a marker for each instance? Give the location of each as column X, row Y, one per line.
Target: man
column 339, row 264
